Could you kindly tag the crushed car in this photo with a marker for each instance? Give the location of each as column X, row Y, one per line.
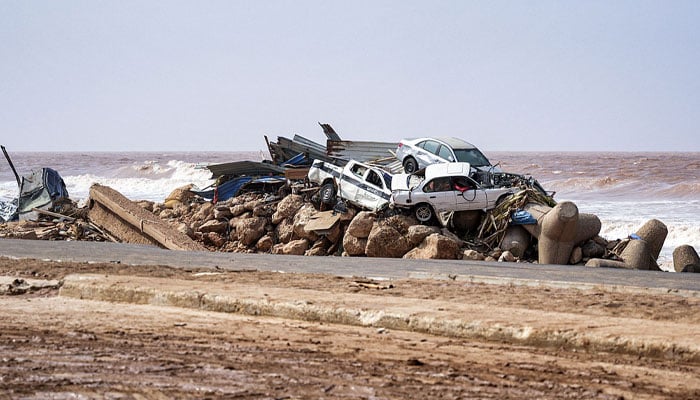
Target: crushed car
column 446, row 187
column 360, row 184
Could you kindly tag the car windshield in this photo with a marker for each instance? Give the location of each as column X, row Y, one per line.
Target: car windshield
column 473, row 157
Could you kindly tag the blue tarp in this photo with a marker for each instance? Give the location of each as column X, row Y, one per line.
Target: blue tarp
column 522, row 217
column 231, row 187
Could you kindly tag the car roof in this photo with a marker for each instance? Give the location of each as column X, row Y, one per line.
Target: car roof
column 453, row 142
column 447, row 169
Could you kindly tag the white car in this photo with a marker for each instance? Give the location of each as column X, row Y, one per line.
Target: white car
column 446, row 187
column 360, row 184
column 415, row 154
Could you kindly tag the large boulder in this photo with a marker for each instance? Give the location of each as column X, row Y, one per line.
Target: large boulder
column 417, row 233
column 250, row 230
column 213, row 225
column 285, row 230
column 436, row 247
column 265, row 244
column 361, row 225
column 301, row 219
column 205, row 213
column 295, row 247
column 287, row 207
column 354, row 246
column 386, row 241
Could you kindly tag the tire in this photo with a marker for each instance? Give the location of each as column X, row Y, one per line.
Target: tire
column 410, row 165
column 327, row 193
column 424, row 213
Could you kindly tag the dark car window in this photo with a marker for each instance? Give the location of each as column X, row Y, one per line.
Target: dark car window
column 445, row 153
column 387, row 180
column 438, row 185
column 421, row 144
column 472, row 156
column 373, row 178
column 431, row 146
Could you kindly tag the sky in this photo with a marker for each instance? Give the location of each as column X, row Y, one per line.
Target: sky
column 219, row 75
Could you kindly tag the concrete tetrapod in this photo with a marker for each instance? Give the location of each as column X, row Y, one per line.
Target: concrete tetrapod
column 685, row 259
column 654, row 233
column 556, row 231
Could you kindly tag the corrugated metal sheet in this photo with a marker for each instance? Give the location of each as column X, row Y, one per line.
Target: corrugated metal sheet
column 377, row 153
column 247, row 168
column 286, row 148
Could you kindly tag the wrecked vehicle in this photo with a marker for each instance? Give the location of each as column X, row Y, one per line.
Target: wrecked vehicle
column 446, row 187
column 416, row 154
column 360, row 184
column 42, row 189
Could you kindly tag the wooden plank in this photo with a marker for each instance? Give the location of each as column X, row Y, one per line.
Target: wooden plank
column 145, row 222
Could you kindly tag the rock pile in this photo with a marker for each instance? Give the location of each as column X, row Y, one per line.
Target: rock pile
column 290, row 222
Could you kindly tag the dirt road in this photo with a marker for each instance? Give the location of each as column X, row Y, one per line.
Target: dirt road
column 55, row 346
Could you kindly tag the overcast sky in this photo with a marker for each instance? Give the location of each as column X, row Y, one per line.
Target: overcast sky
column 218, row 75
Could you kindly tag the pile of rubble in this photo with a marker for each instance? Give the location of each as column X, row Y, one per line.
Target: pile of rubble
column 270, row 207
column 292, row 221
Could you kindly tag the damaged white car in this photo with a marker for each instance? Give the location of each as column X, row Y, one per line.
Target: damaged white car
column 360, row 184
column 448, row 187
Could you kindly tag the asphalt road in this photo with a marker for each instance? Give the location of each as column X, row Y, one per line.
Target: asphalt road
column 488, row 272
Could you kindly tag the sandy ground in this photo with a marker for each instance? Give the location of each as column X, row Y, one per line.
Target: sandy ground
column 57, row 347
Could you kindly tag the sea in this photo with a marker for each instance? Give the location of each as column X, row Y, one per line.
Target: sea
column 624, row 190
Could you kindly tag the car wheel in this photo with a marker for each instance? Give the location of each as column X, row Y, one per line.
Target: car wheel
column 410, row 165
column 424, row 213
column 328, row 193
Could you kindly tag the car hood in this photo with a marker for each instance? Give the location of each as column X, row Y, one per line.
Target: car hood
column 405, row 181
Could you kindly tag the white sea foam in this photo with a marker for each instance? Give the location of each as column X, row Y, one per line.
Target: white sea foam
column 619, row 219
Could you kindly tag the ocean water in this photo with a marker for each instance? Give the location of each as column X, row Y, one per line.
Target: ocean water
column 623, row 189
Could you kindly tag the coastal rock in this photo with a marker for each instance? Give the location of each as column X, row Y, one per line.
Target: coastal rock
column 222, row 212
column 319, row 248
column 186, row 229
column 506, row 256
column 287, row 207
column 205, row 212
column 250, row 230
column 237, row 210
column 417, row 233
column 472, row 255
column 214, row 239
column 301, row 219
column 264, row 244
column 435, row 247
column 361, row 225
column 213, row 225
column 285, row 230
column 386, row 241
column 354, row 246
column 295, row 247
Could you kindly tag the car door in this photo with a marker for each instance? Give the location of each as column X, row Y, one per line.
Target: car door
column 429, row 153
column 469, row 195
column 373, row 196
column 439, row 194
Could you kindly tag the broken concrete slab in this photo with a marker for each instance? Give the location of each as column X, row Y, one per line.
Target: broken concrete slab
column 131, row 223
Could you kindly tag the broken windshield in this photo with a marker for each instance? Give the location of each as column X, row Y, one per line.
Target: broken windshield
column 473, row 157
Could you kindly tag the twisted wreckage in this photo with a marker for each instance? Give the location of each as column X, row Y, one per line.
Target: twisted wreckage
column 353, row 198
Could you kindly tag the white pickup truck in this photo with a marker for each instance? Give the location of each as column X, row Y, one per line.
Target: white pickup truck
column 360, row 184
